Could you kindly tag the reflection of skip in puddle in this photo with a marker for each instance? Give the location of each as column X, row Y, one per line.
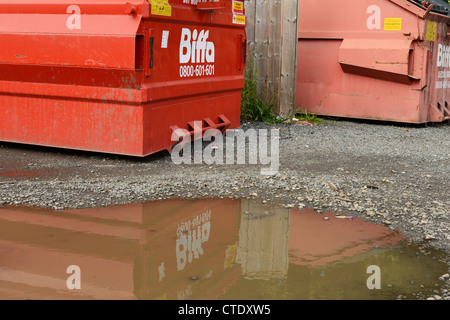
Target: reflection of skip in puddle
column 191, row 236
column 205, row 249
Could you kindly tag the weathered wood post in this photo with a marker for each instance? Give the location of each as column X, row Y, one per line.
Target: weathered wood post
column 272, row 32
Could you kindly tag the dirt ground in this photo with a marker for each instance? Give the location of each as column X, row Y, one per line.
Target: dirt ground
column 387, row 173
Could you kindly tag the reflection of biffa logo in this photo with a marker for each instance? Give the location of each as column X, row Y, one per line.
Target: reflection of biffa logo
column 195, row 48
column 443, row 59
column 191, row 236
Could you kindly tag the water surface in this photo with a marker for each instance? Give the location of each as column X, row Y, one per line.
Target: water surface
column 205, row 249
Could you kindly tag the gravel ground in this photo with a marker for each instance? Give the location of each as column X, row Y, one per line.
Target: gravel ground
column 389, row 174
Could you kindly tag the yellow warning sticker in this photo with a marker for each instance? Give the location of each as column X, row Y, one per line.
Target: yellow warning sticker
column 431, row 31
column 230, row 257
column 393, row 24
column 238, row 19
column 238, row 6
column 161, row 8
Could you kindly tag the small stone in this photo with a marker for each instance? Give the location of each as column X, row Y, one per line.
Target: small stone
column 429, row 237
column 444, row 277
column 370, row 213
column 326, row 218
column 333, row 186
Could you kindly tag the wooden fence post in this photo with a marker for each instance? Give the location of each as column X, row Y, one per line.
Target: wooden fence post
column 272, row 32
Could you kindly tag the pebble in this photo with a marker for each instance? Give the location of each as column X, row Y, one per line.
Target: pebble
column 371, row 213
column 444, row 277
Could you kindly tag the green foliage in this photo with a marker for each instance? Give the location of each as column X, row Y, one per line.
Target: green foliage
column 255, row 108
column 253, row 105
column 310, row 117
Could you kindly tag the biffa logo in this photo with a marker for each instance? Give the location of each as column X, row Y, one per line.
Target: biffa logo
column 195, row 48
column 443, row 59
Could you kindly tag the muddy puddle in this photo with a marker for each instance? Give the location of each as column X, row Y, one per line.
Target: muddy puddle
column 205, row 249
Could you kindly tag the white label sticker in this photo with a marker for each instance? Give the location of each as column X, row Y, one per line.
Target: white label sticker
column 165, row 39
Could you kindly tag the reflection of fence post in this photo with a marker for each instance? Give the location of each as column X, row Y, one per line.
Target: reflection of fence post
column 272, row 32
column 263, row 242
